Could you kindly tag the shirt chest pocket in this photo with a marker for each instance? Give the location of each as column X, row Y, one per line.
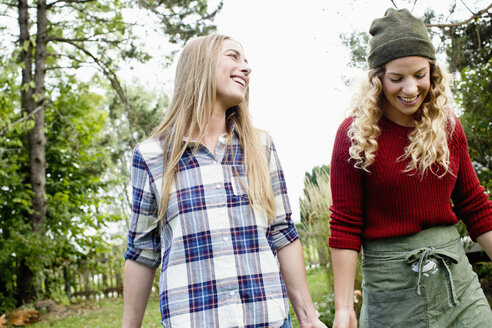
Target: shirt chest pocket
column 239, row 180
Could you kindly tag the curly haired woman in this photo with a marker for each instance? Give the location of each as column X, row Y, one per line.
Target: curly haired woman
column 397, row 161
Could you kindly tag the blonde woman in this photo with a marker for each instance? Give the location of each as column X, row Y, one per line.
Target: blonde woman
column 210, row 207
column 397, row 162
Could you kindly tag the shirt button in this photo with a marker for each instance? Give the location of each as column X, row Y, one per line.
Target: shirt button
column 217, row 186
column 226, row 238
column 231, row 293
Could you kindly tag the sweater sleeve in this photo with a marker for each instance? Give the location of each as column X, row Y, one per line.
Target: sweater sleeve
column 347, row 222
column 471, row 203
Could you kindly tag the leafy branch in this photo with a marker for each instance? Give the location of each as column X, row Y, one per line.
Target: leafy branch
column 5, row 129
column 476, row 16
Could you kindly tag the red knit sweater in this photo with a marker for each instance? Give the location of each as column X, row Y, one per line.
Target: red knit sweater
column 388, row 203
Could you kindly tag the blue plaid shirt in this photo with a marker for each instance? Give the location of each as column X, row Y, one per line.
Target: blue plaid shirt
column 218, row 254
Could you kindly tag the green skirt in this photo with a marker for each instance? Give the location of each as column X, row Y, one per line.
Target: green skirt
column 422, row 280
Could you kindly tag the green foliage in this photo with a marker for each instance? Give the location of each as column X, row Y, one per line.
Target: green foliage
column 78, row 162
column 87, row 144
column 183, row 19
column 77, row 192
column 146, row 112
column 15, row 196
column 483, row 269
column 130, row 126
column 469, row 45
column 470, row 53
column 315, row 172
column 319, row 288
column 475, row 96
column 314, row 230
column 358, row 44
column 326, row 309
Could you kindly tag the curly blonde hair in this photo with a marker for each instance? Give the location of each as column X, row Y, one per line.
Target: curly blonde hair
column 428, row 142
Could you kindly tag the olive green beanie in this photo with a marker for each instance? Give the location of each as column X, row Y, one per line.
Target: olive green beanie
column 398, row 34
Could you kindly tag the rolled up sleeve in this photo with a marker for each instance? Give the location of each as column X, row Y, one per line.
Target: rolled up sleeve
column 283, row 228
column 143, row 237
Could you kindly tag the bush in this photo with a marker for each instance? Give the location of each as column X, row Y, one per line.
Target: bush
column 326, row 309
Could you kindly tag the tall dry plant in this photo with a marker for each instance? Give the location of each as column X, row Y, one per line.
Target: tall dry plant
column 314, row 228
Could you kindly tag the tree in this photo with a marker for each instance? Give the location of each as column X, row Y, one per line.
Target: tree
column 357, row 42
column 58, row 37
column 76, row 189
column 475, row 97
column 130, row 126
column 469, row 54
column 15, row 198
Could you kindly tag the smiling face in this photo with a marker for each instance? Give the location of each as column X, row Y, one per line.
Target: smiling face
column 406, row 83
column 232, row 76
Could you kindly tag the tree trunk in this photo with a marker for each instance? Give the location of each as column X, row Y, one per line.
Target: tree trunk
column 37, row 139
column 66, row 278
column 32, row 102
column 25, row 278
column 27, row 100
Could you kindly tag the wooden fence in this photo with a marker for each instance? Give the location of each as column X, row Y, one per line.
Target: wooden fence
column 95, row 276
column 314, row 239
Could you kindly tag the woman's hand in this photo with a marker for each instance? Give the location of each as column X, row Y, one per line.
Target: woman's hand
column 291, row 261
column 344, row 263
column 345, row 319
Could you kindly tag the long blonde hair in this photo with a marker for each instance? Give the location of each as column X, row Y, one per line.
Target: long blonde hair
column 189, row 115
column 428, row 142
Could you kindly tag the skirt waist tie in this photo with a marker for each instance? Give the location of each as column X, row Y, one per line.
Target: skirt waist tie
column 422, row 255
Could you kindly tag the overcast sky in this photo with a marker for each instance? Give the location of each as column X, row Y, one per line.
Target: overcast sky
column 297, row 91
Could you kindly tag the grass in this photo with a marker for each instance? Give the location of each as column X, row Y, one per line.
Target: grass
column 319, row 288
column 108, row 313
column 101, row 314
